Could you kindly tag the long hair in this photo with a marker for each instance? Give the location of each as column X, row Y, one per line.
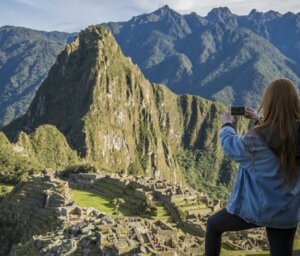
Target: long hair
column 281, row 112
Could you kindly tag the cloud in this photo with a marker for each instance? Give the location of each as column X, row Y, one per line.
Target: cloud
column 240, row 7
column 32, row 3
column 73, row 15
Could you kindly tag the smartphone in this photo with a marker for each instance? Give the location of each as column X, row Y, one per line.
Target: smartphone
column 238, row 110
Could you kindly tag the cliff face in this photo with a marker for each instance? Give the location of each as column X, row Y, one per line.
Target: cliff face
column 114, row 118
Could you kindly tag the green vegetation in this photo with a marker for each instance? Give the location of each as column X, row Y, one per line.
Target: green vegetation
column 79, row 168
column 15, row 166
column 5, row 189
column 98, row 201
column 117, row 202
column 228, row 252
column 200, row 171
column 46, row 147
column 108, row 206
column 116, row 121
column 135, row 168
column 162, row 213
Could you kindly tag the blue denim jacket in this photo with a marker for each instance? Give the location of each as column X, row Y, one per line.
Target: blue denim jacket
column 258, row 195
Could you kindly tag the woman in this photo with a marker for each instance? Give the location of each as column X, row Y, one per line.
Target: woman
column 267, row 188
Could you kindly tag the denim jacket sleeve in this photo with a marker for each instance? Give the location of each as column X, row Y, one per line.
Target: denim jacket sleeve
column 233, row 145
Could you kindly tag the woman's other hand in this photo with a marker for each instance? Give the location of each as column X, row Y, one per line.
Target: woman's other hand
column 251, row 114
column 227, row 117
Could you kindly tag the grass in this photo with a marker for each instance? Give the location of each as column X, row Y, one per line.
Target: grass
column 101, row 203
column 228, row 252
column 297, row 243
column 161, row 211
column 6, row 188
column 97, row 201
column 163, row 214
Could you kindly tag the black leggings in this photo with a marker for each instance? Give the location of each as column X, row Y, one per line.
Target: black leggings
column 280, row 240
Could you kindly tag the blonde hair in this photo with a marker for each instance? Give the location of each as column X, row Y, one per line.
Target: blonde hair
column 281, row 111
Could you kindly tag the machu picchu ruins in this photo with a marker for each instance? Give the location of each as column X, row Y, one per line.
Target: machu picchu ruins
column 44, row 220
column 189, row 208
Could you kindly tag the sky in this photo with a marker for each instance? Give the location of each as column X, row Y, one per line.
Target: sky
column 75, row 15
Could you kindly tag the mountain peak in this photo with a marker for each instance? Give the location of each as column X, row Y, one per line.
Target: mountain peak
column 269, row 15
column 77, row 70
column 221, row 14
column 221, row 10
column 289, row 15
column 255, row 14
column 165, row 7
column 155, row 15
column 163, row 19
column 271, row 12
column 164, row 10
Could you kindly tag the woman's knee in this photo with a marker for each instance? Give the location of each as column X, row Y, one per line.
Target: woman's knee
column 211, row 224
column 216, row 221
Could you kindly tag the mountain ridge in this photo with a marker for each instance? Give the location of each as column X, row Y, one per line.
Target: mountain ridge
column 175, row 61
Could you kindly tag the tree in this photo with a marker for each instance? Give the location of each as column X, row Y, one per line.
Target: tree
column 182, row 214
column 148, row 207
column 117, row 202
column 186, row 201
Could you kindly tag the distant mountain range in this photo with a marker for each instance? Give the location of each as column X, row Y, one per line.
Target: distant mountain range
column 223, row 56
column 26, row 57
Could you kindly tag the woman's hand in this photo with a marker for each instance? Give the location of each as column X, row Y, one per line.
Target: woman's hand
column 227, row 117
column 251, row 114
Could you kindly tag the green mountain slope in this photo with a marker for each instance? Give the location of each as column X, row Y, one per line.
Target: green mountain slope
column 25, row 58
column 45, row 147
column 118, row 121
